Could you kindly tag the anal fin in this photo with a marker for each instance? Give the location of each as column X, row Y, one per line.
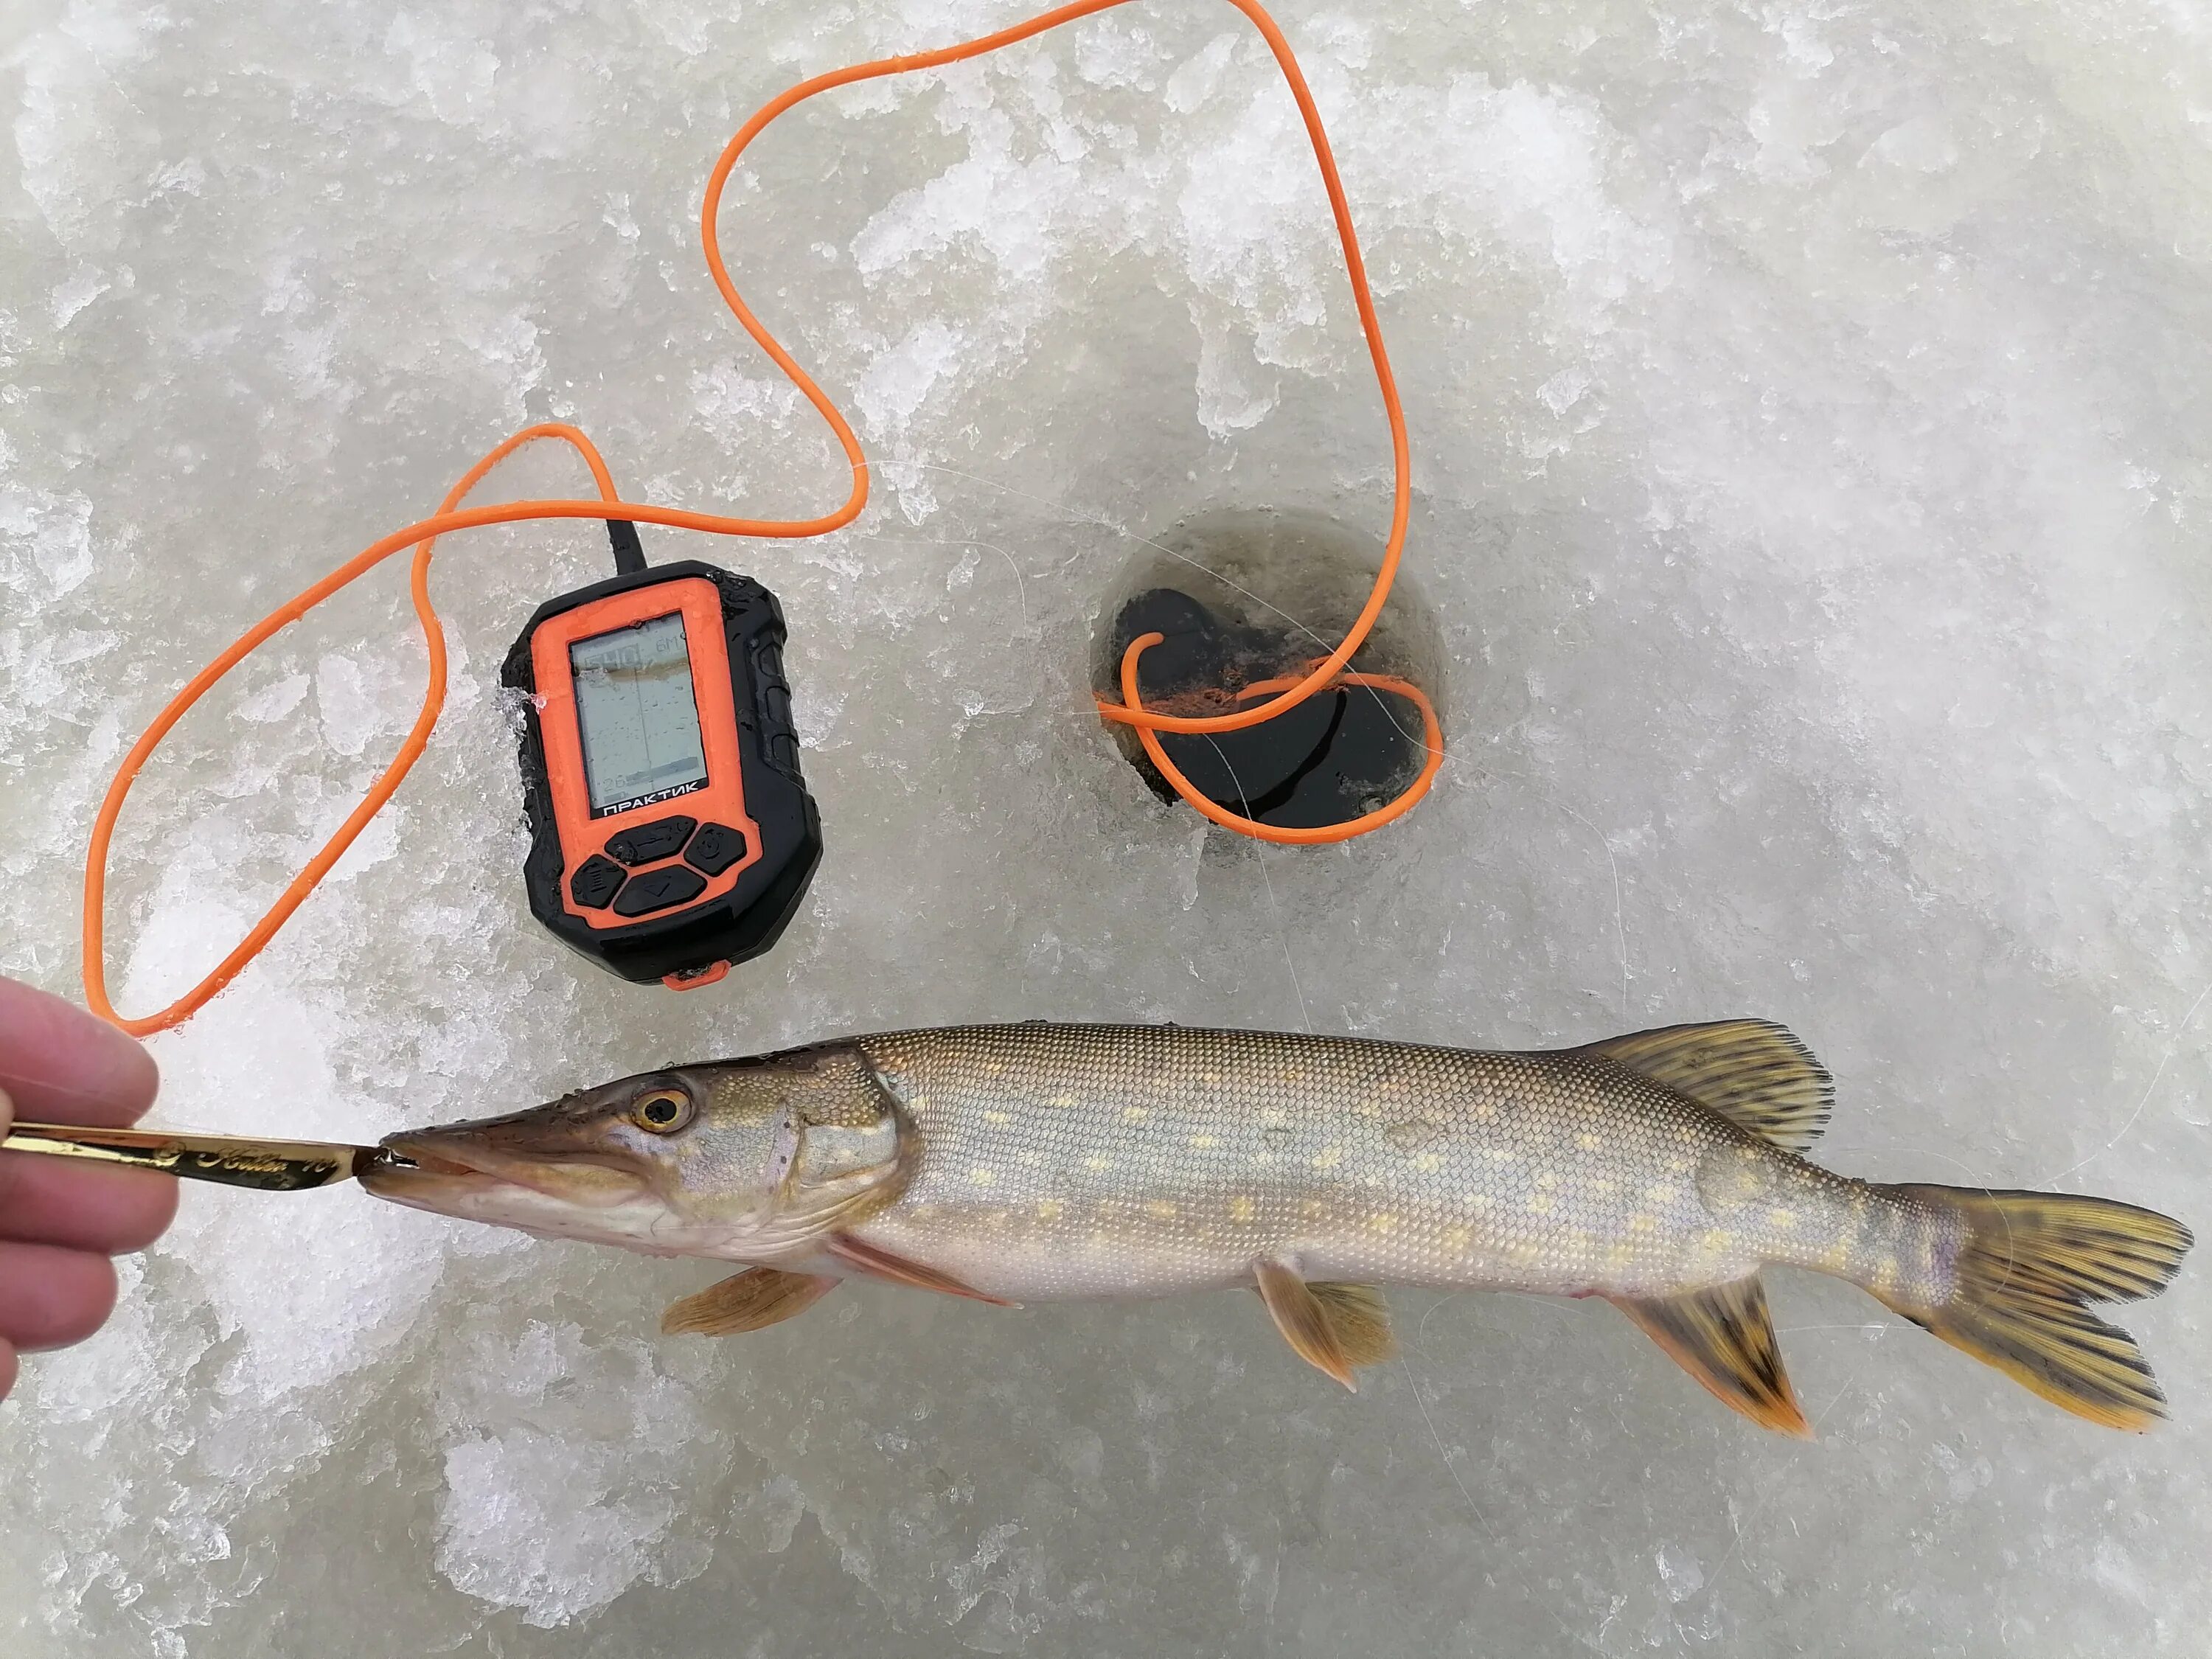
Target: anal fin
column 1722, row 1335
column 880, row 1263
column 750, row 1301
column 1336, row 1329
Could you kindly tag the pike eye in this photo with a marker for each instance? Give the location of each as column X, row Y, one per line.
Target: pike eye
column 663, row 1112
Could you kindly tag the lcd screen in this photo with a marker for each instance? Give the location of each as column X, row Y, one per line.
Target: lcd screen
column 637, row 715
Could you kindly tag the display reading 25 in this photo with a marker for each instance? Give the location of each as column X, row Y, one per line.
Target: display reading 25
column 671, row 833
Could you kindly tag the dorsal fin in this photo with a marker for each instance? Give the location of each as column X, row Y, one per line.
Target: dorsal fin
column 1752, row 1071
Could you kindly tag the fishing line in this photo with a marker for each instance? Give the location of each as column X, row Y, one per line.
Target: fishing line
column 1279, row 697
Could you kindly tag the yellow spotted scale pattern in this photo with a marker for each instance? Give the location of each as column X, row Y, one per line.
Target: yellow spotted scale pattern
column 1061, row 1161
column 1660, row 1169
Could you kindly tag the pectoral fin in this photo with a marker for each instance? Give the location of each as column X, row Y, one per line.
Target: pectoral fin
column 1723, row 1337
column 1333, row 1327
column 750, row 1301
column 878, row 1263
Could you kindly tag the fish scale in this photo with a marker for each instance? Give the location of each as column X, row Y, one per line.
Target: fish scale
column 1660, row 1170
column 1077, row 1161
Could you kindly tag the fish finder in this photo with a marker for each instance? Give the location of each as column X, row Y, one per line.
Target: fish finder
column 671, row 832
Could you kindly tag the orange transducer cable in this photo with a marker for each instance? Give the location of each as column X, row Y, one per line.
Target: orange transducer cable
column 1281, row 695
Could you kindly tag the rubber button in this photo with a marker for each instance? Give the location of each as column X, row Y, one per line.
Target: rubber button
column 595, row 882
column 715, row 848
column 657, row 889
column 662, row 838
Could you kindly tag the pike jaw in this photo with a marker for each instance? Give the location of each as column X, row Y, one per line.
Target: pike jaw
column 746, row 1160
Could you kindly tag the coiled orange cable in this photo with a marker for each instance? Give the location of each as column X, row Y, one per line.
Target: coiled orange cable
column 422, row 537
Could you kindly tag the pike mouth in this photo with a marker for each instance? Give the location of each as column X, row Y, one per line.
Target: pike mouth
column 391, row 1157
column 405, row 1165
column 413, row 1153
column 435, row 1164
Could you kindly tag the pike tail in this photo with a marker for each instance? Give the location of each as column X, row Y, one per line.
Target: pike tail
column 2026, row 1268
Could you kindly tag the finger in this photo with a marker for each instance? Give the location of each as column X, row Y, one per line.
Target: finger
column 6, row 1368
column 50, row 1298
column 83, row 1206
column 63, row 1066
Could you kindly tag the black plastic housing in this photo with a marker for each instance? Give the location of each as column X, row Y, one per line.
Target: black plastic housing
column 1322, row 762
column 753, row 914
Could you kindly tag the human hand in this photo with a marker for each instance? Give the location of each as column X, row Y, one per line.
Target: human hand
column 60, row 1220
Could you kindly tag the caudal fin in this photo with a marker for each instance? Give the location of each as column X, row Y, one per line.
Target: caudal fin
column 2027, row 1267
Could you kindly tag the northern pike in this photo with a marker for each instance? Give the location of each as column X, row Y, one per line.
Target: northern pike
column 1660, row 1170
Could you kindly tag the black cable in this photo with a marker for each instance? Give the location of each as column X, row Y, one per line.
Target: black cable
column 630, row 552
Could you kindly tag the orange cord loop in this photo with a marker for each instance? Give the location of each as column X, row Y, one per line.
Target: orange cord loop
column 1297, row 691
column 1283, row 695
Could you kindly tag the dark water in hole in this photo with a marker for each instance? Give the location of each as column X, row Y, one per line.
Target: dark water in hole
column 1247, row 597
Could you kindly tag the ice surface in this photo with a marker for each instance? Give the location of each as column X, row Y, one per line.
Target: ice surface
column 1812, row 408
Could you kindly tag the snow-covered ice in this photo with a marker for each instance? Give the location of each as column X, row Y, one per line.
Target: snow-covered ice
column 1812, row 410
